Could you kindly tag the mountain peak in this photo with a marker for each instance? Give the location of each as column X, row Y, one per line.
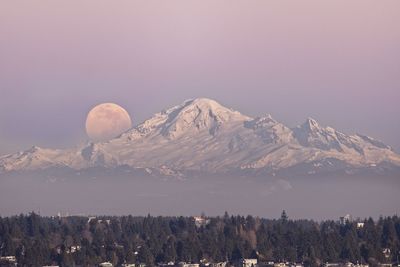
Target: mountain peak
column 33, row 149
column 202, row 101
column 200, row 104
column 201, row 134
column 204, row 104
column 311, row 134
column 310, row 124
column 197, row 115
column 190, row 117
column 261, row 122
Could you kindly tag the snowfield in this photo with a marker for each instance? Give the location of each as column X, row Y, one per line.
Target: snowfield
column 202, row 135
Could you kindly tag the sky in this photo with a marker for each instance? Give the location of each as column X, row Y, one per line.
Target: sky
column 337, row 61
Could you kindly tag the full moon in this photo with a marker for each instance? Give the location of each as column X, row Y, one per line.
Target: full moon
column 106, row 121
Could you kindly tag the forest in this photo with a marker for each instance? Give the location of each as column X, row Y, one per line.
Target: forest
column 82, row 241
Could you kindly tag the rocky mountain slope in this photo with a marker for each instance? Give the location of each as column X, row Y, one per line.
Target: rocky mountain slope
column 202, row 135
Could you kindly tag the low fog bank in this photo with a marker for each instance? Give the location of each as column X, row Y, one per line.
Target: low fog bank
column 323, row 197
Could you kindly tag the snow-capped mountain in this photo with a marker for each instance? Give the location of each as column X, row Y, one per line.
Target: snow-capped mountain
column 202, row 135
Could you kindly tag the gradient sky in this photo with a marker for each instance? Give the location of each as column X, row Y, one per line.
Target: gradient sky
column 337, row 61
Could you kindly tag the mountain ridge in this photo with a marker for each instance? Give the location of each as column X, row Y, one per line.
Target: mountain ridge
column 203, row 135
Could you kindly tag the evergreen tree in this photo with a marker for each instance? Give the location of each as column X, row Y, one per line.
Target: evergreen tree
column 284, row 216
column 36, row 240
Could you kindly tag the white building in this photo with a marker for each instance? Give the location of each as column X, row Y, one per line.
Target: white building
column 218, row 264
column 106, row 264
column 200, row 221
column 74, row 249
column 346, row 219
column 91, row 219
column 8, row 258
column 248, row 263
column 360, row 225
column 184, row 264
column 168, row 264
column 8, row 261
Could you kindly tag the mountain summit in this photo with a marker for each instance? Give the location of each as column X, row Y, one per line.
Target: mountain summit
column 195, row 116
column 202, row 135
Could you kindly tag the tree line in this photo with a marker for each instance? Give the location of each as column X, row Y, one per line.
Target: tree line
column 77, row 241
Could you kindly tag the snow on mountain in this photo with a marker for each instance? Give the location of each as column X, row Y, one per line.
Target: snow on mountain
column 191, row 117
column 311, row 134
column 202, row 135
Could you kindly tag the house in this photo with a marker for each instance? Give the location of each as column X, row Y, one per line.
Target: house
column 91, row 219
column 360, row 225
column 8, row 261
column 386, row 252
column 106, row 264
column 346, row 264
column 168, row 264
column 184, row 264
column 104, row 221
column 218, row 264
column 74, row 249
column 266, row 264
column 332, row 264
column 248, row 263
column 200, row 221
column 346, row 219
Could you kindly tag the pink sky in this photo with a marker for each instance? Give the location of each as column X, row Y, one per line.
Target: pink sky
column 337, row 61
